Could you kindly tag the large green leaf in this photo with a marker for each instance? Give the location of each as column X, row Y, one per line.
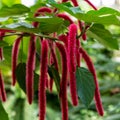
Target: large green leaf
column 3, row 114
column 21, row 74
column 109, row 17
column 85, row 85
column 50, row 24
column 101, row 34
column 17, row 9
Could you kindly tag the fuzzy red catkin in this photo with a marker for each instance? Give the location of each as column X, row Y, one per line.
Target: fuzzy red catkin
column 1, row 50
column 54, row 61
column 64, row 0
column 42, row 10
column 78, row 56
column 30, row 66
column 42, row 80
column 2, row 89
column 91, row 4
column 15, row 52
column 75, row 3
column 63, row 85
column 1, row 54
column 92, row 70
column 65, row 17
column 64, row 38
column 51, row 79
column 72, row 62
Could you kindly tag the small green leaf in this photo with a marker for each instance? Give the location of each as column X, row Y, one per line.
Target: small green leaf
column 3, row 114
column 101, row 34
column 17, row 9
column 21, row 74
column 55, row 75
column 85, row 85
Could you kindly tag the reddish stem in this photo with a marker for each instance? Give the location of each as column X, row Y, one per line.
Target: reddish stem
column 72, row 62
column 63, row 85
column 90, row 66
column 30, row 66
column 15, row 52
column 2, row 89
column 42, row 82
column 95, row 8
column 81, row 25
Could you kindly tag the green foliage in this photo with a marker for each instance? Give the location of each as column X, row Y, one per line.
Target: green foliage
column 85, row 85
column 17, row 9
column 101, row 34
column 3, row 114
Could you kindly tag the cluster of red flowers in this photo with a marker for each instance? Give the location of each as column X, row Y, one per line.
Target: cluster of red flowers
column 71, row 53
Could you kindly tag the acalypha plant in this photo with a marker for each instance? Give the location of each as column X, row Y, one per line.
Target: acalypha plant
column 69, row 46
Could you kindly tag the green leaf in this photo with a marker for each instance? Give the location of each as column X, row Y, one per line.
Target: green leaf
column 101, row 34
column 19, row 109
column 21, row 75
column 49, row 24
column 104, row 11
column 17, row 9
column 10, row 2
column 3, row 43
column 109, row 18
column 3, row 114
column 85, row 85
column 55, row 75
column 21, row 27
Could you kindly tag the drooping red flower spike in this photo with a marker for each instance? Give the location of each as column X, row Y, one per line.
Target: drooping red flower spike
column 30, row 66
column 42, row 81
column 93, row 71
column 42, row 10
column 65, row 17
column 53, row 60
column 72, row 62
column 91, row 4
column 64, row 0
column 15, row 52
column 2, row 89
column 64, row 38
column 78, row 55
column 63, row 85
column 75, row 3
column 51, row 79
column 1, row 49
